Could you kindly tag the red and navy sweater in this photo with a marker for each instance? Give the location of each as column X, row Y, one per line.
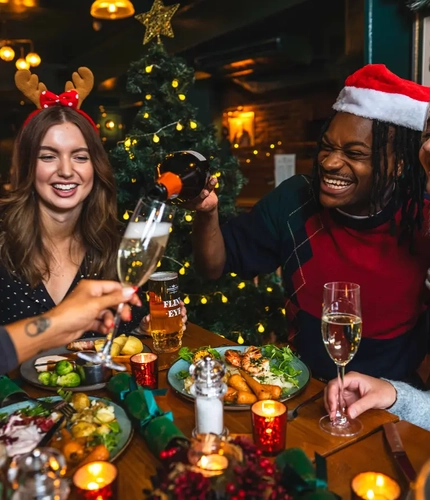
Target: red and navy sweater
column 314, row 245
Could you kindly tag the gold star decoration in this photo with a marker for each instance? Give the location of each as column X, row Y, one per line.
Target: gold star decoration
column 157, row 21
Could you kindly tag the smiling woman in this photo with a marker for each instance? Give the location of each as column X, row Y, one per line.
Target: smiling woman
column 59, row 221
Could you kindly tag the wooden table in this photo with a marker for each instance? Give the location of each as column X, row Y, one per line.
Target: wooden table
column 137, row 464
column 372, row 454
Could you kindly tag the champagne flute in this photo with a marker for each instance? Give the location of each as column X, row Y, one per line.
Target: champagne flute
column 341, row 333
column 141, row 248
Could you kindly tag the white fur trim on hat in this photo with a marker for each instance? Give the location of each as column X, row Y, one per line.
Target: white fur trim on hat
column 376, row 105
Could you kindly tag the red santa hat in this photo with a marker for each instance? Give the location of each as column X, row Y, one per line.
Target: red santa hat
column 375, row 92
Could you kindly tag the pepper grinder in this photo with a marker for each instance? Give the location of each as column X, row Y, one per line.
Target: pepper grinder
column 39, row 475
column 208, row 390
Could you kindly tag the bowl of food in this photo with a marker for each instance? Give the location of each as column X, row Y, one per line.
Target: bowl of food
column 92, row 373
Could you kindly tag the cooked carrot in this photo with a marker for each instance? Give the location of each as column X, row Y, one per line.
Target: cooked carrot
column 275, row 390
column 238, row 383
column 246, row 398
column 230, row 395
column 73, row 452
column 257, row 388
column 99, row 454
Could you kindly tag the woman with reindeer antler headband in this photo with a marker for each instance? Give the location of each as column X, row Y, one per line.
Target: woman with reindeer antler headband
column 59, row 221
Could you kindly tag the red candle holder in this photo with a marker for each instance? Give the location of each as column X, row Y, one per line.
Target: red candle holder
column 269, row 426
column 374, row 486
column 96, row 481
column 144, row 368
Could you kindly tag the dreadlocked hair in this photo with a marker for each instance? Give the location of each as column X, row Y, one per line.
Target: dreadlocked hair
column 409, row 181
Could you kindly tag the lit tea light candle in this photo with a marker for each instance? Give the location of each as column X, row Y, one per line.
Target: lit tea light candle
column 144, row 367
column 96, row 481
column 213, row 463
column 269, row 426
column 374, row 486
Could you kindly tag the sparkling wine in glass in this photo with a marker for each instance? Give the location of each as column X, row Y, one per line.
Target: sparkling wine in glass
column 341, row 333
column 142, row 246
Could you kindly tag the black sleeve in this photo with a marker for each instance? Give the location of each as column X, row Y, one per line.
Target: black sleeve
column 8, row 356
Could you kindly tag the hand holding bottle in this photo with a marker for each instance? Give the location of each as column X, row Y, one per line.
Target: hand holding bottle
column 207, row 200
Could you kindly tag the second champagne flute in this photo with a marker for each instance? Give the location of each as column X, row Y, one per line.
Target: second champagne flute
column 142, row 246
column 341, row 333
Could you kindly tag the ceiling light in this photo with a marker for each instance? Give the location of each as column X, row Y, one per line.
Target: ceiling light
column 33, row 59
column 21, row 63
column 112, row 9
column 7, row 53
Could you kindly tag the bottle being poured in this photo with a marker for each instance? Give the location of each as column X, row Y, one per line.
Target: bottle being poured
column 181, row 176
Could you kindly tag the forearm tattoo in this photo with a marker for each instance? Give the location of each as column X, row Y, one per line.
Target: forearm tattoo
column 37, row 326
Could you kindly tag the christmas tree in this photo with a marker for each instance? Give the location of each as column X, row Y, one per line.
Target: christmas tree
column 243, row 311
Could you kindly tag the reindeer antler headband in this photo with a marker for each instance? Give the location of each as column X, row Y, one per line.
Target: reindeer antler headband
column 74, row 92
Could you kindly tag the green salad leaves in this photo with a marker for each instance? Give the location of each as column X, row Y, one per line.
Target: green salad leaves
column 281, row 362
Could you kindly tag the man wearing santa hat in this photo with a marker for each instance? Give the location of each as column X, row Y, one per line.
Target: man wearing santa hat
column 359, row 218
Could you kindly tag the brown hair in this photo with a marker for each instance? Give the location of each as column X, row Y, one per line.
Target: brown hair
column 97, row 227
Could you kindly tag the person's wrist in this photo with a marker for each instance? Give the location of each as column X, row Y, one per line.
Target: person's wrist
column 392, row 398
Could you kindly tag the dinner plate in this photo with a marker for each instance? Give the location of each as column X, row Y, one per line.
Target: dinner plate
column 121, row 416
column 29, row 372
column 180, row 364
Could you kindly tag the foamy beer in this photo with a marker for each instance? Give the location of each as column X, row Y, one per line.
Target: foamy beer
column 165, row 311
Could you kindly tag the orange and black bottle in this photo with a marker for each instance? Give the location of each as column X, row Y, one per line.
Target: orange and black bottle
column 181, row 176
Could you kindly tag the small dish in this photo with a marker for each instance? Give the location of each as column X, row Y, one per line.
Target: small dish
column 92, row 373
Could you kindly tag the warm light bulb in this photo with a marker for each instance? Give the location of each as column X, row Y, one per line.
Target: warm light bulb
column 155, row 138
column 179, row 127
column 241, row 285
column 112, row 8
column 193, row 125
column 267, row 154
column 110, row 124
column 170, row 229
column 204, row 300
column 233, row 275
column 21, row 63
column 134, row 142
column 248, row 160
column 224, row 299
column 255, row 152
column 145, row 115
column 188, row 218
column 7, row 53
column 33, row 59
column 133, row 181
column 236, row 145
column 260, row 328
column 181, row 97
column 159, row 263
column 148, row 97
column 182, row 271
column 272, row 146
column 175, row 83
column 240, row 339
column 187, row 300
column 283, row 311
column 186, row 264
column 126, row 216
column 217, row 174
column 269, row 289
column 148, row 69
column 127, row 143
column 279, row 143
column 217, row 185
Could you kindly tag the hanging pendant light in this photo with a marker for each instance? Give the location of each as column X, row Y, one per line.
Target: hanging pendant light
column 112, row 9
column 7, row 53
column 21, row 63
column 33, row 59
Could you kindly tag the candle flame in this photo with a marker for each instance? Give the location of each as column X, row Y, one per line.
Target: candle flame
column 379, row 480
column 93, row 486
column 269, row 431
column 95, row 469
column 370, row 494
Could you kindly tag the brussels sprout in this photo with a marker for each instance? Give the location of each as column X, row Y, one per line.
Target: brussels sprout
column 53, row 379
column 63, row 367
column 69, row 380
column 44, row 378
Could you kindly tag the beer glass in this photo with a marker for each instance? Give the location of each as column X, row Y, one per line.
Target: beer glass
column 165, row 312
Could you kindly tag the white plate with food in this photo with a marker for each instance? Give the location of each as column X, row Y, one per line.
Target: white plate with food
column 253, row 373
column 61, row 368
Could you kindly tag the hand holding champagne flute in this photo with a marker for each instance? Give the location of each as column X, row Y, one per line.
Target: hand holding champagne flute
column 341, row 333
column 141, row 248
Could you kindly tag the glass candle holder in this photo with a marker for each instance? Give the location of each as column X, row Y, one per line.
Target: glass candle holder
column 269, row 426
column 144, row 367
column 213, row 455
column 96, row 481
column 374, row 486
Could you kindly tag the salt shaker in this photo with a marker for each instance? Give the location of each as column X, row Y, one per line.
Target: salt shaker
column 209, row 390
column 39, row 475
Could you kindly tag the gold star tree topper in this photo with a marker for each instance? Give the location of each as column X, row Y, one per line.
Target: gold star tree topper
column 158, row 21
